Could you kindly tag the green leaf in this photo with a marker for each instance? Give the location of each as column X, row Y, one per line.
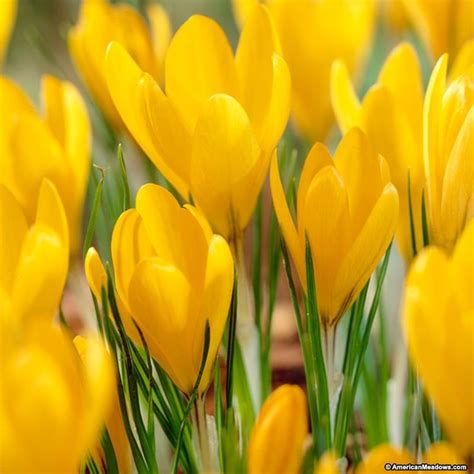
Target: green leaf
column 93, row 215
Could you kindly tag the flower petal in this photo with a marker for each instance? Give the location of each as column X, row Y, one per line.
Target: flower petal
column 95, row 273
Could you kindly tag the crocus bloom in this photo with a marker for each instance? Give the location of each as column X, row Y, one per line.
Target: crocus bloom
column 52, row 406
column 33, row 259
column 327, row 464
column 55, row 146
column 277, row 440
column 443, row 25
column 313, row 34
column 213, row 133
column 172, row 274
column 448, row 140
column 438, row 320
column 113, row 422
column 348, row 209
column 378, row 457
column 391, row 114
column 99, row 24
column 7, row 20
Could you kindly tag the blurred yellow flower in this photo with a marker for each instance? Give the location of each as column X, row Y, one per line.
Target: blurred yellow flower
column 327, row 465
column 378, row 457
column 213, row 133
column 439, row 326
column 7, row 20
column 52, row 406
column 313, row 34
column 277, row 440
column 114, row 422
column 443, row 25
column 348, row 208
column 391, row 114
column 448, row 140
column 99, row 24
column 172, row 274
column 33, row 259
column 55, row 146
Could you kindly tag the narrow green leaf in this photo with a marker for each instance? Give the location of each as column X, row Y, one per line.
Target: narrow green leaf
column 93, row 215
column 412, row 222
column 232, row 334
column 123, row 173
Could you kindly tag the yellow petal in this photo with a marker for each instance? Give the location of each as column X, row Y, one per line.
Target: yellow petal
column 442, row 453
column 199, row 64
column 201, row 218
column 254, row 65
column 160, row 30
column 327, row 464
column 226, row 166
column 13, row 229
column 216, row 302
column 161, row 299
column 366, row 250
column 95, row 273
column 129, row 246
column 242, row 8
column 463, row 60
column 457, row 202
column 377, row 458
column 7, row 20
column 169, row 228
column 123, row 79
column 285, row 220
column 276, row 442
column 431, row 117
column 344, row 98
column 326, row 222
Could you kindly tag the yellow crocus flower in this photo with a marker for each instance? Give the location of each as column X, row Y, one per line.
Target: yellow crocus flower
column 378, row 457
column 348, row 209
column 114, row 421
column 313, row 34
column 443, row 25
column 172, row 274
column 448, row 141
column 8, row 10
column 52, row 406
column 100, row 23
column 33, row 259
column 327, row 464
column 54, row 146
column 438, row 318
column 277, row 440
column 391, row 114
column 213, row 133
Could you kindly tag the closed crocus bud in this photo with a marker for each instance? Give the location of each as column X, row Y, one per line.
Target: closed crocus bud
column 7, row 20
column 99, row 24
column 172, row 274
column 113, row 422
column 348, row 209
column 448, row 153
column 443, row 25
column 52, row 406
column 378, row 458
column 213, row 133
column 33, row 259
column 313, row 34
column 277, row 440
column 327, row 465
column 438, row 318
column 391, row 114
column 54, row 146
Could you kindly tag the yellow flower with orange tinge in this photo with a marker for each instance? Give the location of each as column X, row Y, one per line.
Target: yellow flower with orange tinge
column 313, row 34
column 33, row 259
column 438, row 317
column 56, row 146
column 213, row 132
column 277, row 440
column 8, row 10
column 52, row 405
column 443, row 25
column 348, row 209
column 100, row 23
column 172, row 274
column 378, row 457
column 448, row 151
column 391, row 114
